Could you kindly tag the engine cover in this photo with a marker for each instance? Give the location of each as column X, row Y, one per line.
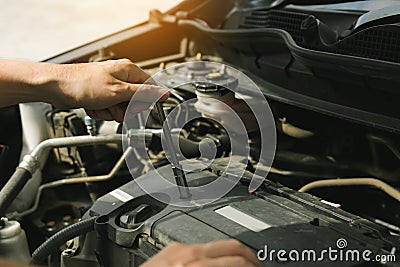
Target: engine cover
column 132, row 225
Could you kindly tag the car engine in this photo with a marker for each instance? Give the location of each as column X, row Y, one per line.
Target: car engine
column 284, row 118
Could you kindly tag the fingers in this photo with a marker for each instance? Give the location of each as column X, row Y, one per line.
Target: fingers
column 225, row 253
column 139, row 82
column 117, row 113
column 100, row 114
column 143, row 93
column 124, row 70
column 227, row 261
column 143, row 96
column 125, row 85
column 230, row 247
column 7, row 263
column 136, row 74
column 112, row 113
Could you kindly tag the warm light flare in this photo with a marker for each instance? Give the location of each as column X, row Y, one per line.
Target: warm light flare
column 36, row 30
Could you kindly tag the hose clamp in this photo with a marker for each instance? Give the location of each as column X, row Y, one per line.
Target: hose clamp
column 30, row 163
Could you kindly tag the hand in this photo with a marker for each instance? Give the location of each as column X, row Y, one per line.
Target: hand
column 105, row 88
column 224, row 253
column 7, row 263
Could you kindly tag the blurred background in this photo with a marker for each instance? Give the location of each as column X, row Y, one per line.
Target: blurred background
column 36, row 30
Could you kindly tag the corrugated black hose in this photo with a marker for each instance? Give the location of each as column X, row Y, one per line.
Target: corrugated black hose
column 51, row 245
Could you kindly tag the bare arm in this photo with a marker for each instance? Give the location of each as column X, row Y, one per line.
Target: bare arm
column 101, row 88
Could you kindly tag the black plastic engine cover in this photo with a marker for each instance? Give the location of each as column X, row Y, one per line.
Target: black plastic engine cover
column 273, row 218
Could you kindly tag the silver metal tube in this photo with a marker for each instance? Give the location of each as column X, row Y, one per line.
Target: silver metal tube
column 76, row 180
column 91, row 179
column 31, row 162
column 75, row 141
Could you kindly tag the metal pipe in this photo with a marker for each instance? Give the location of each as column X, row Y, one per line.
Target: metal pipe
column 76, row 180
column 31, row 162
column 388, row 189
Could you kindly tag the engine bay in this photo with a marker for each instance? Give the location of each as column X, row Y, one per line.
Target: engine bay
column 330, row 171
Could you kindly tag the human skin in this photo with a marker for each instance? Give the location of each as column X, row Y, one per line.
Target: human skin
column 223, row 253
column 102, row 88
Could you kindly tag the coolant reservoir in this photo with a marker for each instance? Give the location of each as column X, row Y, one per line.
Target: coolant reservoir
column 13, row 243
column 216, row 100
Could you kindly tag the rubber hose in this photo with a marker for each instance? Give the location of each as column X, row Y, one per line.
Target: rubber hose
column 52, row 244
column 12, row 188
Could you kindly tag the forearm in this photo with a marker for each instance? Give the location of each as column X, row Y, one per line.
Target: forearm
column 102, row 88
column 29, row 82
